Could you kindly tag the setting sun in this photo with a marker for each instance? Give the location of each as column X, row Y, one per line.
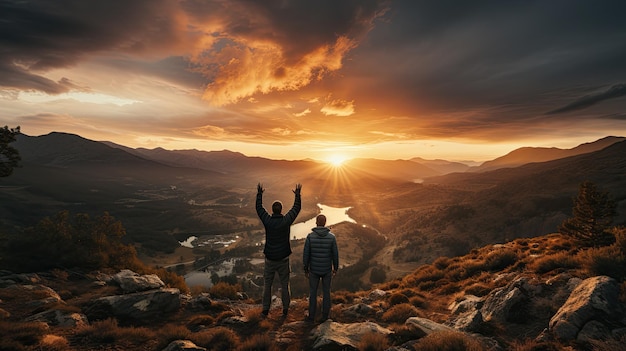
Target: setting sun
column 336, row 160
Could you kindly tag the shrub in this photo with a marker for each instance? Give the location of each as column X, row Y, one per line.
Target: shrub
column 500, row 259
column 605, row 261
column 108, row 332
column 418, row 301
column 173, row 280
column 199, row 321
column 373, row 342
column 533, row 345
column 397, row 298
column 224, row 290
column 20, row 335
column 448, row 341
column 170, row 333
column 400, row 313
column 258, row 342
column 561, row 260
column 442, row 262
column 479, row 289
column 219, row 338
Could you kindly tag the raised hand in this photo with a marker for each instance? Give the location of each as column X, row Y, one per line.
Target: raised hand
column 259, row 188
column 298, row 188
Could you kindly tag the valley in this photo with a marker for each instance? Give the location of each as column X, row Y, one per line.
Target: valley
column 163, row 197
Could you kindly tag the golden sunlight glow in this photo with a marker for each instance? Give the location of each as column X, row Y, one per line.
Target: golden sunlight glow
column 336, row 160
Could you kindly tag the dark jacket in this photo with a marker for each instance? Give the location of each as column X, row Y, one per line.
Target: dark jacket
column 320, row 254
column 277, row 229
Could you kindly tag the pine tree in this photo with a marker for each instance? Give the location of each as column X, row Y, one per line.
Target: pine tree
column 593, row 214
column 9, row 156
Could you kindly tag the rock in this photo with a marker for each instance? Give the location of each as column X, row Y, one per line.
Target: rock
column 183, row 345
column 426, row 325
column 60, row 318
column 468, row 321
column 593, row 330
column 377, row 294
column 130, row 281
column 594, row 298
column 337, row 336
column 200, row 302
column 469, row 303
column 141, row 306
column 359, row 310
column 499, row 303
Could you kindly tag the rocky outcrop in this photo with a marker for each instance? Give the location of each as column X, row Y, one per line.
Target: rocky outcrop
column 591, row 307
column 500, row 302
column 131, row 282
column 141, row 306
column 338, row 336
column 60, row 318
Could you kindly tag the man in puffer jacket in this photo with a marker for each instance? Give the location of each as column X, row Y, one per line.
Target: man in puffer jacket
column 277, row 246
column 321, row 261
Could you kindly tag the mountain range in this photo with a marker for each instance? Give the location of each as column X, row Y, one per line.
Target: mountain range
column 158, row 192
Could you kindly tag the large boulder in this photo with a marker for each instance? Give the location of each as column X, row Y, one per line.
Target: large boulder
column 141, row 306
column 131, row 282
column 594, row 300
column 183, row 345
column 338, row 336
column 500, row 302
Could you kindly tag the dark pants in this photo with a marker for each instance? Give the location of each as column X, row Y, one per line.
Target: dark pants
column 314, row 281
column 283, row 270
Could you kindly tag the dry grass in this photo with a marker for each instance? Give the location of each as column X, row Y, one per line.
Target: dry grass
column 21, row 335
column 400, row 313
column 373, row 342
column 199, row 322
column 533, row 345
column 552, row 262
column 258, row 342
column 223, row 290
column 109, row 332
column 218, row 338
column 448, row 341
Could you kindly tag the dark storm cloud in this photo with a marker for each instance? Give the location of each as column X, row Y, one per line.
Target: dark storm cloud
column 613, row 92
column 39, row 35
column 454, row 55
column 297, row 26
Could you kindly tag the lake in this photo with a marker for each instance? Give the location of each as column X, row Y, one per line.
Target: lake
column 334, row 215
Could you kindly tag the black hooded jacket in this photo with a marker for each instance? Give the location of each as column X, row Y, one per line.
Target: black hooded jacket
column 277, row 228
column 320, row 254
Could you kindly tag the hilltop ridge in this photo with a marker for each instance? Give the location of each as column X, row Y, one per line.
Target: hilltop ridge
column 513, row 296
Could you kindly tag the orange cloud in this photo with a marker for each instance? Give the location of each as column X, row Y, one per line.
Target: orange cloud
column 338, row 107
column 245, row 68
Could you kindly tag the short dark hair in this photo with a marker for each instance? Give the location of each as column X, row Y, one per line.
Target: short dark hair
column 277, row 207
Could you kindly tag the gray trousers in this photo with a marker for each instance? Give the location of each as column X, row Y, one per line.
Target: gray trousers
column 314, row 281
column 283, row 269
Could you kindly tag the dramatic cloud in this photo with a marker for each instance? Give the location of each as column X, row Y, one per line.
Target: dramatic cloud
column 239, row 47
column 261, row 74
column 615, row 91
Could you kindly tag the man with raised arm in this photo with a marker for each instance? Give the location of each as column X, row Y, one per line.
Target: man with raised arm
column 277, row 246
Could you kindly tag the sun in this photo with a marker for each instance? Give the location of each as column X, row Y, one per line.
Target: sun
column 336, row 160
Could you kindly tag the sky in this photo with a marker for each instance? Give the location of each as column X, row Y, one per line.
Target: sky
column 324, row 79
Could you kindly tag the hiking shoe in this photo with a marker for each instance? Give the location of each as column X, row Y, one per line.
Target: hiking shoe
column 265, row 313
